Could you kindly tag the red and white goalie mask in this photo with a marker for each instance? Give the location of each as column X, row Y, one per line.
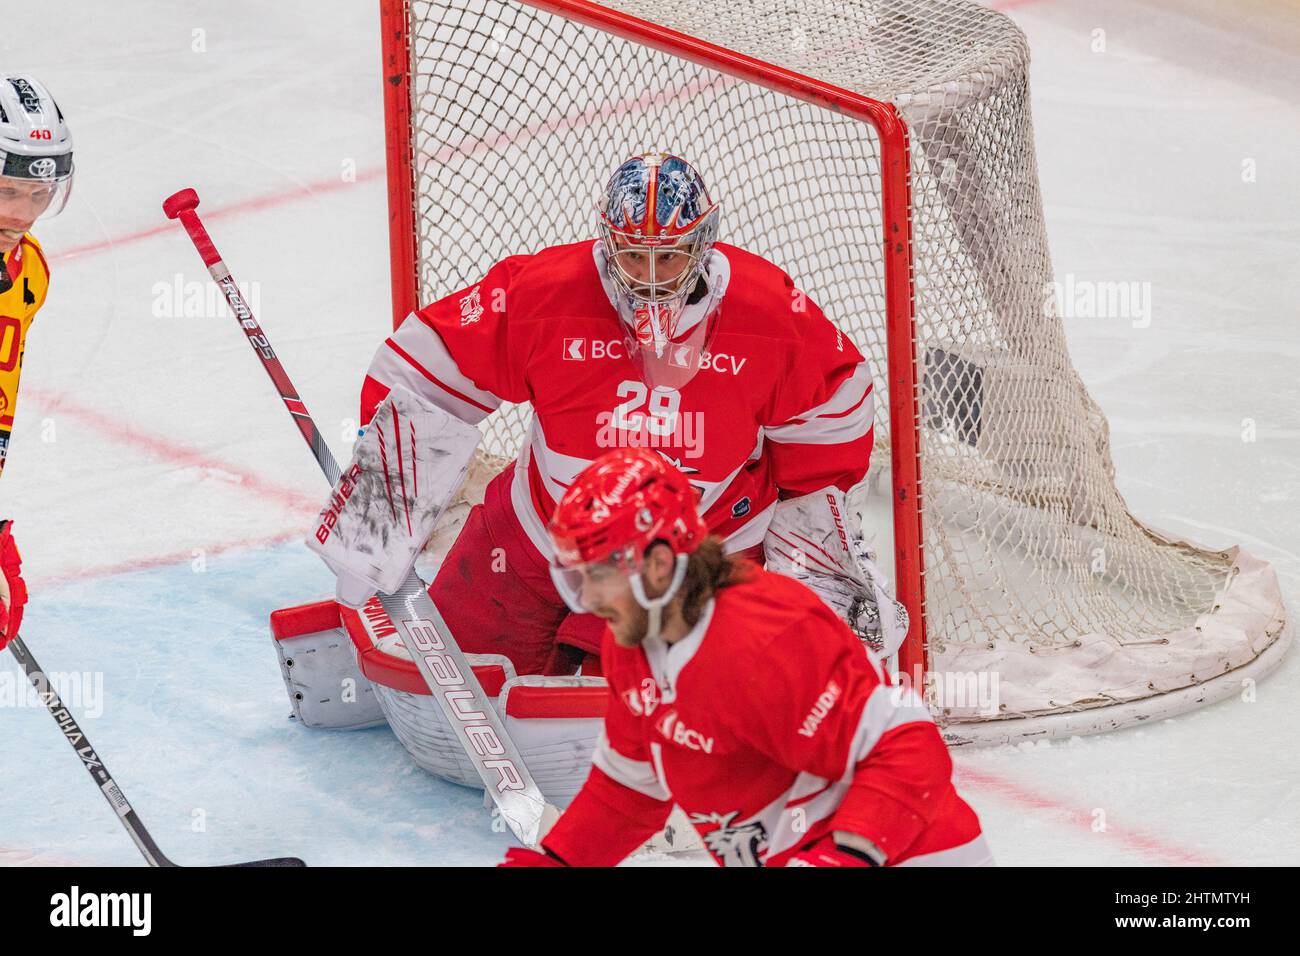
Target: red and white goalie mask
column 657, row 227
column 615, row 510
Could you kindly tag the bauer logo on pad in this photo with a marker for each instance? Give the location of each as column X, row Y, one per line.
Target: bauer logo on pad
column 404, row 471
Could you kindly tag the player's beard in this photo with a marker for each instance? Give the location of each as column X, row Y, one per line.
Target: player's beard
column 631, row 627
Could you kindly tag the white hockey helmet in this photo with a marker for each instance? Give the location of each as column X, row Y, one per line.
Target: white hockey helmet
column 35, row 149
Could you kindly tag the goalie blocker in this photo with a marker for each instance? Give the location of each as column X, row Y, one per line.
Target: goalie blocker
column 405, row 470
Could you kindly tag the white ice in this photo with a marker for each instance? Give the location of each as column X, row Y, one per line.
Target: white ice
column 160, row 493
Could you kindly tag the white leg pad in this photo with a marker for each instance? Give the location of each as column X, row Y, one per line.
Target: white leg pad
column 319, row 665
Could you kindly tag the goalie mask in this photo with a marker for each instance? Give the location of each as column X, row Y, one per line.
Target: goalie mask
column 657, row 228
column 35, row 155
column 615, row 510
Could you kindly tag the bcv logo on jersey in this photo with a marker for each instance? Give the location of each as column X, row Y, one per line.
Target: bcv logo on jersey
column 670, row 727
column 580, row 350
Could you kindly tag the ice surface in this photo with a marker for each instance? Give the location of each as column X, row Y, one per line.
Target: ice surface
column 160, row 493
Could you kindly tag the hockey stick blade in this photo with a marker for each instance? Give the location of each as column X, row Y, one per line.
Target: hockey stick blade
column 80, row 744
column 290, row 861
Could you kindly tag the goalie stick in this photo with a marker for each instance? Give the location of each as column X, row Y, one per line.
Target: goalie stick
column 425, row 634
column 76, row 737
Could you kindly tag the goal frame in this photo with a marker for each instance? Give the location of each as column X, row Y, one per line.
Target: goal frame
column 1187, row 651
column 896, row 244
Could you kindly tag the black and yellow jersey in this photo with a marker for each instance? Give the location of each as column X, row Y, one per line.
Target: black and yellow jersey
column 30, row 276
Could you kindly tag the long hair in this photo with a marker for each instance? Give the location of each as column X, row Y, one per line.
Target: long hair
column 708, row 570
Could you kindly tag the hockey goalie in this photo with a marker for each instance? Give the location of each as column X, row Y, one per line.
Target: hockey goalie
column 738, row 696
column 656, row 336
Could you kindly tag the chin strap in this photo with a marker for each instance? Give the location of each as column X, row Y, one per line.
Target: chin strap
column 655, row 606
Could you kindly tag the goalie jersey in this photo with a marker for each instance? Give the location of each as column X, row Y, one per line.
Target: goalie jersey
column 781, row 406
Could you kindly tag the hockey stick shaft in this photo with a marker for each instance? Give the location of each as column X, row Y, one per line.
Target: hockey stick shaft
column 425, row 634
column 80, row 743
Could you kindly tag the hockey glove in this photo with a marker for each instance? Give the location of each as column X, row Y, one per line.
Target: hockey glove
column 812, row 540
column 520, row 856
column 826, row 852
column 13, row 592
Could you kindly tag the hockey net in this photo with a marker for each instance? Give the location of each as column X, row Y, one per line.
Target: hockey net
column 1047, row 607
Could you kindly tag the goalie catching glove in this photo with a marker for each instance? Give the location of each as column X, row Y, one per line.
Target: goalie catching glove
column 404, row 471
column 810, row 540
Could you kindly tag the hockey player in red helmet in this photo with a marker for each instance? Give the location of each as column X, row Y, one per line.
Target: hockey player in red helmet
column 738, row 695
column 628, row 508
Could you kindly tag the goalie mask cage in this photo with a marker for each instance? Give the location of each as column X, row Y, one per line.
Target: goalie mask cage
column 881, row 153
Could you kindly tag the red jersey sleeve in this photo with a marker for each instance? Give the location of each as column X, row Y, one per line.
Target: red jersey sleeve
column 458, row 352
column 821, row 706
column 623, row 803
column 818, row 429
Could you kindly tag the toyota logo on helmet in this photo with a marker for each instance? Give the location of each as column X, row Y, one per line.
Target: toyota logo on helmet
column 43, row 168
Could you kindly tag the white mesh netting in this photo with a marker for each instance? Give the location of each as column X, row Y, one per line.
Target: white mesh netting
column 1037, row 579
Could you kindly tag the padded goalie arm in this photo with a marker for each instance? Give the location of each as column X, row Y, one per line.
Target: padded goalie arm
column 819, row 430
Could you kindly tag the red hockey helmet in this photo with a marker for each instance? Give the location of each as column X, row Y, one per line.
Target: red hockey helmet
column 616, row 508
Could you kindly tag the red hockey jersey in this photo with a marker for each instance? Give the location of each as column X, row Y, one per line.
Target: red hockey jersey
column 770, row 725
column 782, row 402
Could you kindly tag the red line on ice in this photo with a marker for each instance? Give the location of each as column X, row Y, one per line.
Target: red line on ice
column 163, row 560
column 576, row 120
column 1077, row 816
column 211, row 213
column 10, row 856
column 166, row 449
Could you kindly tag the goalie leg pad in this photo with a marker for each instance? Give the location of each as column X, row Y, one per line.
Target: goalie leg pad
column 319, row 665
column 554, row 721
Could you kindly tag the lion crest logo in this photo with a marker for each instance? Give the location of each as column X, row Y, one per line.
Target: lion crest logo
column 735, row 844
